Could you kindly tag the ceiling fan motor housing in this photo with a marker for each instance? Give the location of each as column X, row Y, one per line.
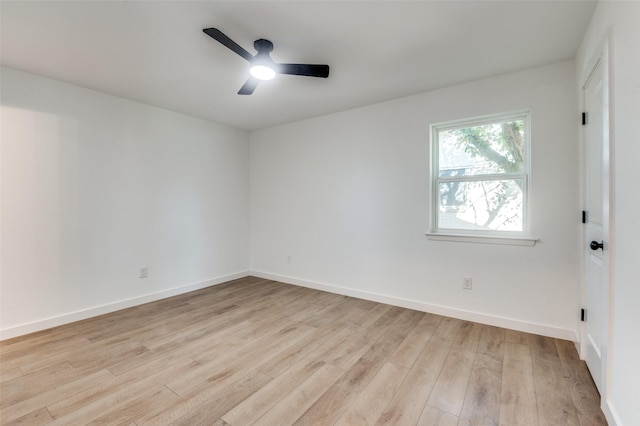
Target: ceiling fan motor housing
column 263, row 46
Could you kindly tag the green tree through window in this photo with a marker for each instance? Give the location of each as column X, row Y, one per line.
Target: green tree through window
column 480, row 175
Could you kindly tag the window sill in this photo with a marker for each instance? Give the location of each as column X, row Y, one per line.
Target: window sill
column 484, row 239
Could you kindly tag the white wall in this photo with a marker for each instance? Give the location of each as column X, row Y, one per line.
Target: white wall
column 346, row 195
column 619, row 22
column 95, row 187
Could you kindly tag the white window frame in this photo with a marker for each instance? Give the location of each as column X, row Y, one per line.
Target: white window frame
column 480, row 236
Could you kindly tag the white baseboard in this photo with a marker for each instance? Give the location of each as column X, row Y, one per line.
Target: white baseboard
column 483, row 318
column 50, row 322
column 610, row 413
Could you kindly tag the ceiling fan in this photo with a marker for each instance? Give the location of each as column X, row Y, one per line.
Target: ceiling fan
column 262, row 66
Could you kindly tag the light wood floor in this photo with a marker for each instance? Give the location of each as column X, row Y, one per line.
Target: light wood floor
column 263, row 352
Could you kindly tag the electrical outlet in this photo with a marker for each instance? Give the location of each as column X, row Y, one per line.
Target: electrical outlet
column 466, row 283
column 289, row 258
column 144, row 272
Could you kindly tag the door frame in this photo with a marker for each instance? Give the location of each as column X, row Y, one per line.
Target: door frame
column 601, row 57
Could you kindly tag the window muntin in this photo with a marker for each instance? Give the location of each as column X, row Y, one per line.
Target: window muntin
column 480, row 175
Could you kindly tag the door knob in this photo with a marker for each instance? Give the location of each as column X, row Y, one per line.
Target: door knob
column 596, row 245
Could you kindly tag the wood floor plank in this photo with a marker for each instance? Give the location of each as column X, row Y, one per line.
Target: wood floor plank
column 232, row 396
column 546, row 359
column 180, row 325
column 156, row 371
column 414, row 343
column 518, row 404
column 568, row 354
column 311, row 344
column 265, row 352
column 369, row 404
column 348, row 345
column 369, row 317
column 201, row 331
column 291, row 407
column 514, row 336
column 433, row 417
column 492, row 341
column 482, row 400
column 92, row 408
column 10, row 374
column 356, row 341
column 450, row 388
column 585, row 397
column 29, row 359
column 90, row 357
column 22, row 387
column 408, row 403
column 40, row 344
column 555, row 404
column 141, row 360
column 343, row 313
column 261, row 401
column 129, row 412
column 330, row 406
column 448, row 328
column 468, row 337
column 518, row 357
column 35, row 418
column 219, row 336
column 35, row 400
column 223, row 395
column 211, row 369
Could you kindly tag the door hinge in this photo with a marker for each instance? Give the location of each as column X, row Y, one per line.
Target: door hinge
column 584, row 118
column 583, row 315
column 585, row 216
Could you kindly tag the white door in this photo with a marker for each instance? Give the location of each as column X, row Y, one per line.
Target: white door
column 597, row 226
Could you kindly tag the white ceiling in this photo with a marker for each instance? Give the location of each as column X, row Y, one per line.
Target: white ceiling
column 155, row 51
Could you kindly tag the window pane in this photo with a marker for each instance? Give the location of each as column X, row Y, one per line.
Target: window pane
column 494, row 205
column 485, row 149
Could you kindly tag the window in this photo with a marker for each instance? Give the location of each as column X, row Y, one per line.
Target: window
column 479, row 176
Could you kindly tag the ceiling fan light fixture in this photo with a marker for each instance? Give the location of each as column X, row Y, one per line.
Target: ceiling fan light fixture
column 262, row 72
column 262, row 66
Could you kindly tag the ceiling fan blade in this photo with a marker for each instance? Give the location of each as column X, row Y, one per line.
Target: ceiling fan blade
column 249, row 86
column 219, row 36
column 304, row 69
